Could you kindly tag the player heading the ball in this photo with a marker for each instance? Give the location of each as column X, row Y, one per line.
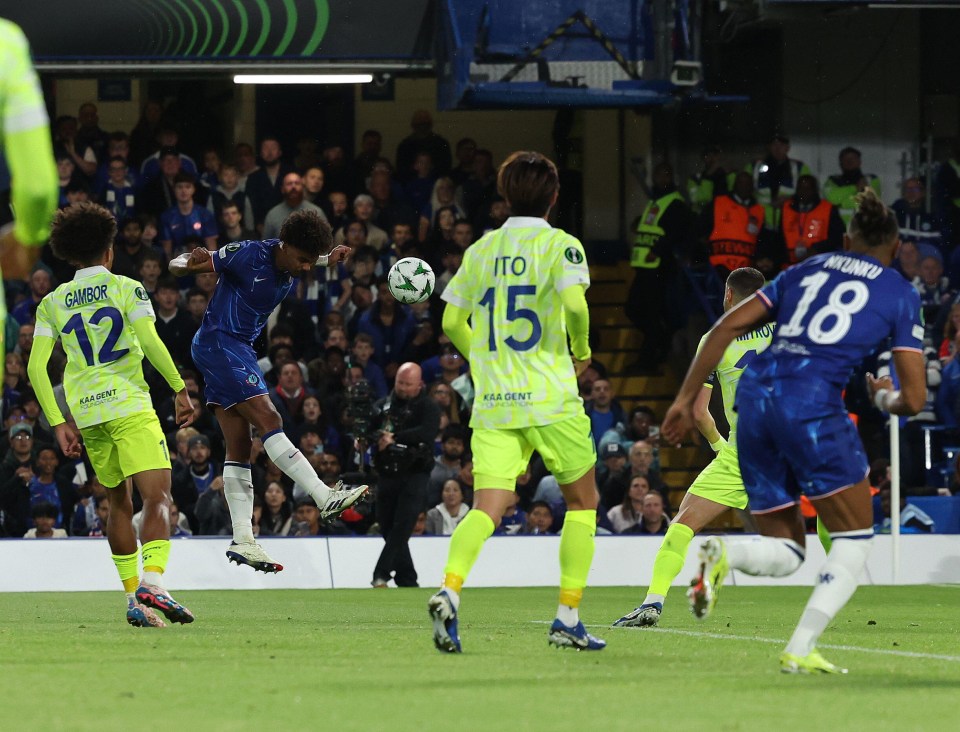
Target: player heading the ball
column 523, row 286
column 255, row 277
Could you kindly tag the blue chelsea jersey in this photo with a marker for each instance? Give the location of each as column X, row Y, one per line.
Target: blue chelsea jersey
column 832, row 311
column 250, row 288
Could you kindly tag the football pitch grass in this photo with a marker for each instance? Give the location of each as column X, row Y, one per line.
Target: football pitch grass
column 364, row 659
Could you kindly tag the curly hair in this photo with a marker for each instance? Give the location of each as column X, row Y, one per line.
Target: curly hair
column 82, row 233
column 306, row 231
column 873, row 223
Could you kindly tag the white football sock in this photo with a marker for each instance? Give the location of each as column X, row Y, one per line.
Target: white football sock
column 238, row 490
column 152, row 578
column 836, row 583
column 292, row 462
column 651, row 598
column 764, row 556
column 567, row 615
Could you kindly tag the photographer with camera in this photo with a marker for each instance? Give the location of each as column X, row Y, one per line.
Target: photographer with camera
column 408, row 421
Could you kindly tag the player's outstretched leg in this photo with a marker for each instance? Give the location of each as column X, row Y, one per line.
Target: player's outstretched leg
column 465, row 544
column 667, row 565
column 154, row 487
column 576, row 555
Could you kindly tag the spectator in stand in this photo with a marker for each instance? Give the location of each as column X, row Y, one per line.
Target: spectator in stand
column 66, row 174
column 841, row 190
column 934, row 289
column 129, row 249
column 190, row 484
column 264, row 185
column 89, row 134
column 186, row 219
column 916, row 223
column 908, row 260
column 710, row 181
column 949, row 334
column 451, row 257
column 948, row 393
column 118, row 194
column 144, row 135
column 539, row 519
column 361, row 353
column 612, row 459
column 174, row 325
column 41, row 283
column 463, row 234
column 306, row 521
column 118, row 146
column 448, row 463
column 151, row 232
column 16, row 473
column 774, row 180
column 276, row 517
column 479, row 190
column 443, row 196
column 388, row 210
column 466, row 153
column 229, row 189
column 443, row 518
column 293, row 200
column 603, row 409
column 419, row 189
column 627, row 514
column 44, row 516
column 232, row 225
column 640, row 463
column 422, row 140
column 913, row 520
column 424, row 343
column 391, row 327
column 313, row 180
column 653, row 520
column 371, row 144
column 246, row 160
column 65, row 144
column 197, row 301
column 78, row 191
column 338, row 171
column 212, row 167
column 24, row 341
column 313, row 418
column 158, row 195
column 213, row 514
column 363, row 207
column 152, row 167
column 336, row 209
column 809, row 225
column 288, row 395
column 439, row 235
column 14, row 379
column 493, row 218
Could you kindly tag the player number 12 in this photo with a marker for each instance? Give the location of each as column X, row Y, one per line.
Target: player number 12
column 107, row 354
column 513, row 313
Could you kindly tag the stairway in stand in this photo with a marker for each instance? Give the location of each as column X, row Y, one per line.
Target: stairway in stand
column 617, row 349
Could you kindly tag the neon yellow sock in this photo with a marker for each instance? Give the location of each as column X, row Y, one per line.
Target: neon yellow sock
column 670, row 558
column 128, row 569
column 576, row 554
column 155, row 555
column 824, row 535
column 465, row 545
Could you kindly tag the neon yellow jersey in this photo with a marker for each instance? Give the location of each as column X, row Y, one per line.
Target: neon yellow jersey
column 735, row 359
column 510, row 282
column 25, row 134
column 93, row 314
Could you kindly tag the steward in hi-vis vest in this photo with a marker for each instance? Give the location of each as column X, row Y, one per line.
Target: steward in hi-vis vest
column 841, row 190
column 809, row 225
column 660, row 235
column 775, row 179
column 732, row 227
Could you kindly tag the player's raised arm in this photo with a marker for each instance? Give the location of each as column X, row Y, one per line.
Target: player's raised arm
column 197, row 261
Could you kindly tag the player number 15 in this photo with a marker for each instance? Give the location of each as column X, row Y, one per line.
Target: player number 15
column 513, row 313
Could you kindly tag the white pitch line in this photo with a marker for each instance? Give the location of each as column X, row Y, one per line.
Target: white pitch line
column 778, row 641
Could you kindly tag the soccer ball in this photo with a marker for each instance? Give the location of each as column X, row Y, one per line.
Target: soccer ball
column 411, row 280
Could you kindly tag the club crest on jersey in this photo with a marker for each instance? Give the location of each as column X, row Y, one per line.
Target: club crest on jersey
column 573, row 255
column 253, row 379
column 232, row 247
column 142, row 294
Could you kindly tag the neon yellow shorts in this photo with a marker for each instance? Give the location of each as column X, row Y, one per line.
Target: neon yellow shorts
column 566, row 447
column 126, row 446
column 720, row 481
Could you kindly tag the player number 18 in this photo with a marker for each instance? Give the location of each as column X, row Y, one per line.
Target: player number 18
column 836, row 307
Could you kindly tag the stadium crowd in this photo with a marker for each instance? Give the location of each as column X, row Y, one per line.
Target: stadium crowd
column 341, row 326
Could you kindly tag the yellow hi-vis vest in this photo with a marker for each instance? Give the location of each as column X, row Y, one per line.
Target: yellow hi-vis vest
column 649, row 231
